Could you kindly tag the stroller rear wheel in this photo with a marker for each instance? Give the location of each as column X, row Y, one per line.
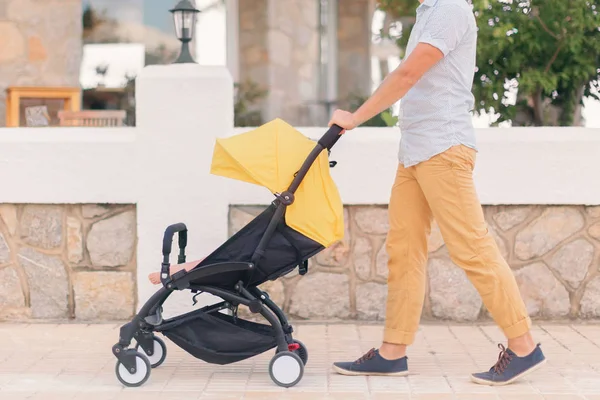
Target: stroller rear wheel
column 159, row 352
column 134, row 377
column 302, row 351
column 286, row 369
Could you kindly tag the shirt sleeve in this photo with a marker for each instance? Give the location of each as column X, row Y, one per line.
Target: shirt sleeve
column 445, row 28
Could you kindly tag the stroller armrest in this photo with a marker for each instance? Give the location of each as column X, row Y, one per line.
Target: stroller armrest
column 183, row 281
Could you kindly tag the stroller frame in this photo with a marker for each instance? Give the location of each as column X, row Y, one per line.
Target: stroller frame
column 133, row 364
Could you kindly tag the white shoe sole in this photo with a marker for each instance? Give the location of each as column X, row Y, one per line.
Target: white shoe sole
column 508, row 382
column 356, row 373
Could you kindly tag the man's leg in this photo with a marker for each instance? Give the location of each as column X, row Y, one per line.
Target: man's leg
column 406, row 245
column 447, row 183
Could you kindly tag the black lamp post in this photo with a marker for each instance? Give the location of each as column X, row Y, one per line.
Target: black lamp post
column 184, row 15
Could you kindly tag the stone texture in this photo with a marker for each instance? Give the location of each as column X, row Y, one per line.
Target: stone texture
column 12, row 45
column 435, row 240
column 572, row 261
column 500, row 242
column 593, row 211
column 335, row 255
column 381, row 262
column 279, row 47
column 370, row 301
column 511, row 217
column 74, row 240
column 452, row 295
column 354, row 49
column 363, row 258
column 11, row 294
column 110, row 242
column 101, row 295
column 542, row 293
column 321, row 295
column 372, row 220
column 37, row 51
column 276, row 291
column 590, row 303
column 240, row 216
column 48, row 283
column 4, row 251
column 41, row 226
column 543, row 234
column 93, row 210
column 54, row 60
column 8, row 213
column 594, row 231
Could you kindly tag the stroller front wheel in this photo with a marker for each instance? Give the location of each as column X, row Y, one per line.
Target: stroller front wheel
column 159, row 352
column 136, row 377
column 286, row 369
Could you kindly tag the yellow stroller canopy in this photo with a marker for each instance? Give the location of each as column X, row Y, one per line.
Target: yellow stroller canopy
column 270, row 156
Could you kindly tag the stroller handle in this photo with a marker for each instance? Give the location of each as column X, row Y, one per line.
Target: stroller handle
column 181, row 230
column 330, row 138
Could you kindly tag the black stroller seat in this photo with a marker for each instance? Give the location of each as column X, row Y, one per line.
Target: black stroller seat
column 265, row 249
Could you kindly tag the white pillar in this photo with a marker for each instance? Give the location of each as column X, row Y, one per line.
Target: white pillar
column 232, row 31
column 181, row 109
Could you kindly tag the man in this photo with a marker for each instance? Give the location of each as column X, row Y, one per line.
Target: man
column 434, row 180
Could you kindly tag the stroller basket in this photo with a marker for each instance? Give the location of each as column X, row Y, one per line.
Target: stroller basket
column 218, row 338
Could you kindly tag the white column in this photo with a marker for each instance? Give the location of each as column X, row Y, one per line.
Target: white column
column 181, row 109
column 232, row 32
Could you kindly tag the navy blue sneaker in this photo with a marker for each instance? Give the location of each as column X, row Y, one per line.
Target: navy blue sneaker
column 373, row 364
column 510, row 367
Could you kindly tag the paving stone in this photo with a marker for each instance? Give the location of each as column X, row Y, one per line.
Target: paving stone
column 544, row 233
column 41, row 225
column 511, row 217
column 321, row 295
column 370, row 301
column 542, row 293
column 372, row 220
column 48, row 283
column 11, row 293
column 4, row 251
column 94, row 210
column 110, row 242
column 452, row 294
column 590, row 303
column 8, row 213
column 363, row 257
column 74, row 240
column 103, row 295
column 572, row 261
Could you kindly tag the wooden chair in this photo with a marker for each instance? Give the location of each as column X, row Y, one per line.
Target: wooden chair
column 90, row 118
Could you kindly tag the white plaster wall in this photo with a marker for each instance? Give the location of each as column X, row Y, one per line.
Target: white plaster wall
column 162, row 165
column 514, row 166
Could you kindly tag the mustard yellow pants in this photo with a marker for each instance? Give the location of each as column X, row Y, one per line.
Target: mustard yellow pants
column 442, row 188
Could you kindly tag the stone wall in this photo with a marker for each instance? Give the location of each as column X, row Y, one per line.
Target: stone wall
column 554, row 252
column 40, row 46
column 279, row 49
column 67, row 261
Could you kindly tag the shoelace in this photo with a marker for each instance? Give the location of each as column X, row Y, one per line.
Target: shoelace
column 504, row 359
column 370, row 354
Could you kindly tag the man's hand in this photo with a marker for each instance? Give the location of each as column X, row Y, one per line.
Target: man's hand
column 343, row 119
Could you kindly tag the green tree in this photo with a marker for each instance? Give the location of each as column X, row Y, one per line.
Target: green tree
column 536, row 59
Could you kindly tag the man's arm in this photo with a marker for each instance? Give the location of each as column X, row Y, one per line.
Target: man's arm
column 399, row 82
column 443, row 32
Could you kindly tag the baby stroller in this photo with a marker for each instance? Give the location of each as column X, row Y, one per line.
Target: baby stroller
column 305, row 217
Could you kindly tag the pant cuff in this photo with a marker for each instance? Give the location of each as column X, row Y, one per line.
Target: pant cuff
column 518, row 329
column 395, row 336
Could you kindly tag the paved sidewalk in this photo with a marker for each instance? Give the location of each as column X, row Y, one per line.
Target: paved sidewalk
column 74, row 361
